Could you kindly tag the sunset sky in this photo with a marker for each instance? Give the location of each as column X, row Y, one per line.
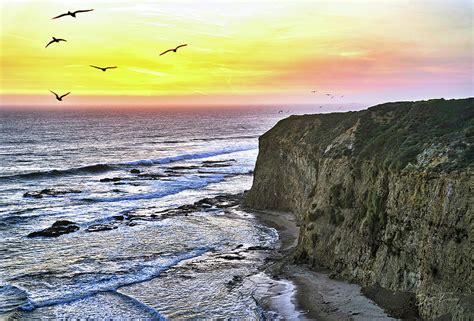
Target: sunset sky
column 239, row 52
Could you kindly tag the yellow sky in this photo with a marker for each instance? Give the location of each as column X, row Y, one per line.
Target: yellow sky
column 237, row 50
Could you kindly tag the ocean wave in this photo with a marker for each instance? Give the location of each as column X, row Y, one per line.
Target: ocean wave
column 197, row 155
column 170, row 187
column 11, row 297
column 100, row 168
column 226, row 138
column 91, row 286
column 97, row 168
column 207, row 139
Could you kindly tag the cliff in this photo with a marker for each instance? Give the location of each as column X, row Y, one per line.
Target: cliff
column 383, row 196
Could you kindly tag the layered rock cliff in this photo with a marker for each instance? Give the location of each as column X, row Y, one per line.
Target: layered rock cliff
column 383, row 196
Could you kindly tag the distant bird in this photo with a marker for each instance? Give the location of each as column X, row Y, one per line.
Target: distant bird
column 173, row 50
column 329, row 95
column 313, row 91
column 72, row 14
column 103, row 68
column 280, row 111
column 55, row 40
column 60, row 98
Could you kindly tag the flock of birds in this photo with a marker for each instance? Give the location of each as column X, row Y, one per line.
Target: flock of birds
column 74, row 13
column 58, row 40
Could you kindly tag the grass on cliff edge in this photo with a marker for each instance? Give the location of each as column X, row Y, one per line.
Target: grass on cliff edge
column 436, row 134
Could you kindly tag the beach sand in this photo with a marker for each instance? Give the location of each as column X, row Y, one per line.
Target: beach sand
column 315, row 295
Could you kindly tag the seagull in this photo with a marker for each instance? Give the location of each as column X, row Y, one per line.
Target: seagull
column 55, row 40
column 173, row 50
column 72, row 14
column 60, row 98
column 103, row 68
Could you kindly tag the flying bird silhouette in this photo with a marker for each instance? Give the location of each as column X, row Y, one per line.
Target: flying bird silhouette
column 72, row 14
column 173, row 50
column 55, row 40
column 60, row 98
column 313, row 91
column 103, row 68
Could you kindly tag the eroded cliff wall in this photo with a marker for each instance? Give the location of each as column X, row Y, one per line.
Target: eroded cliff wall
column 384, row 196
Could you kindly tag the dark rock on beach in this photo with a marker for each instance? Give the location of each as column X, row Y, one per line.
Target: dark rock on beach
column 101, row 227
column 50, row 192
column 218, row 163
column 58, row 228
column 135, row 171
column 110, row 179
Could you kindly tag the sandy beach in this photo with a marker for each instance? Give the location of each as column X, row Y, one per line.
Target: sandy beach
column 316, row 295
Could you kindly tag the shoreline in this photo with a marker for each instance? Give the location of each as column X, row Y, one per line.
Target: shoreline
column 283, row 289
column 316, row 295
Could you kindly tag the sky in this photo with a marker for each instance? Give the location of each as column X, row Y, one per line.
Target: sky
column 239, row 52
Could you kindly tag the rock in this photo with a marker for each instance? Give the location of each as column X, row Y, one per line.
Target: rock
column 231, row 257
column 101, row 227
column 218, row 161
column 58, row 228
column 216, row 165
column 49, row 192
column 258, row 248
column 383, row 196
column 119, row 217
column 152, row 175
column 135, row 171
column 108, row 179
column 33, row 194
column 236, row 279
column 179, row 168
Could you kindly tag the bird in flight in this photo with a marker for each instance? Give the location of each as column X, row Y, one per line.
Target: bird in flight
column 313, row 91
column 103, row 68
column 173, row 50
column 55, row 40
column 60, row 98
column 72, row 14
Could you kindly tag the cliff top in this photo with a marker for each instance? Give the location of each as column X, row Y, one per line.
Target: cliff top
column 435, row 135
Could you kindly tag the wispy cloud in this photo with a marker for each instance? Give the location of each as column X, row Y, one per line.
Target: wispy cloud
column 148, row 71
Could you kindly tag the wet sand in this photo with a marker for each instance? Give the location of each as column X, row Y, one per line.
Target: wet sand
column 316, row 296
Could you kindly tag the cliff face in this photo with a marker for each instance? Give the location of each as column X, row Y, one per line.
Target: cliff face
column 384, row 196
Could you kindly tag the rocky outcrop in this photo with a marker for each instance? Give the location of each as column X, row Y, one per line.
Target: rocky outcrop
column 57, row 229
column 50, row 192
column 383, row 196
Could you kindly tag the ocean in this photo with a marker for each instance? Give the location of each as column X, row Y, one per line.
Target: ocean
column 128, row 180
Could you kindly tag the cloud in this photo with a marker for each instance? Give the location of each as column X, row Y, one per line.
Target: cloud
column 148, row 71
